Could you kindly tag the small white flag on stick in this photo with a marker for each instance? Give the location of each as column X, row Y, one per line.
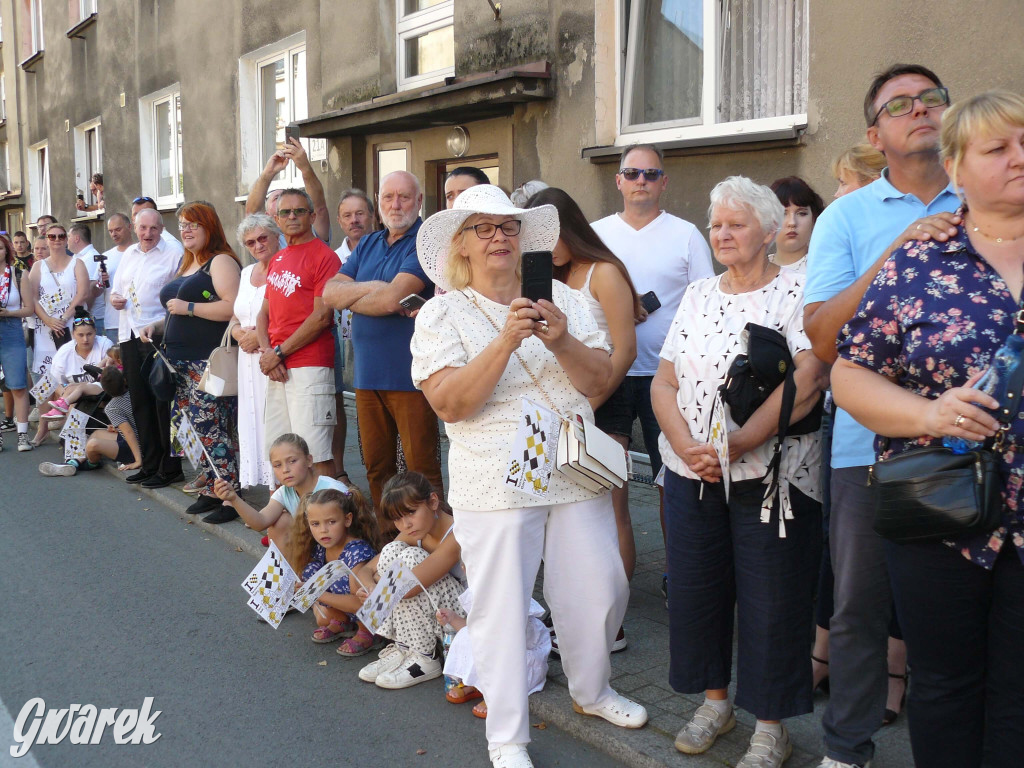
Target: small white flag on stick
column 393, row 586
column 306, row 595
column 192, row 446
column 270, row 586
column 43, row 390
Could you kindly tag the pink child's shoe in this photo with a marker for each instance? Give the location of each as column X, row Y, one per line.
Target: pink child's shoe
column 60, row 404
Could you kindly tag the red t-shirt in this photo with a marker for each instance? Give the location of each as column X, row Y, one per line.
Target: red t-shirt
column 296, row 276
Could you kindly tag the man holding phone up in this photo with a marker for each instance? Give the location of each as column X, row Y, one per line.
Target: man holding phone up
column 663, row 255
column 381, row 272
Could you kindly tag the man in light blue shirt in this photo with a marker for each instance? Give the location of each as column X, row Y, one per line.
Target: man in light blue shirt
column 852, row 238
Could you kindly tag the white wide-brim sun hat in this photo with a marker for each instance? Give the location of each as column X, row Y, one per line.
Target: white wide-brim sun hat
column 434, row 240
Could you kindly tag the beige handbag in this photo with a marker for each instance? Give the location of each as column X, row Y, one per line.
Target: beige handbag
column 220, row 378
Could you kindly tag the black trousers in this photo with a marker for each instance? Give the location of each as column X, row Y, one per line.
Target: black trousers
column 964, row 628
column 152, row 417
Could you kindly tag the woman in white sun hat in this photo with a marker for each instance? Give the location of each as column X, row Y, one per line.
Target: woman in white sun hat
column 477, row 350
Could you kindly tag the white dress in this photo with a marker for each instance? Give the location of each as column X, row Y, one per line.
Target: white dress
column 253, row 464
column 56, row 292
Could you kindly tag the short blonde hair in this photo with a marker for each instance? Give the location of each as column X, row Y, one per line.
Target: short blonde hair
column 457, row 269
column 978, row 116
column 862, row 160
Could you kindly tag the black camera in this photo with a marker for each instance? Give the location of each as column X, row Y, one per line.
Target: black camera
column 104, row 281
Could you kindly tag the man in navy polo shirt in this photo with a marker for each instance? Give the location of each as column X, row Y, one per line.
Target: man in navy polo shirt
column 382, row 270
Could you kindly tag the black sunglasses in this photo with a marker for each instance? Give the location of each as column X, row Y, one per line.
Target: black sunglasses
column 632, row 174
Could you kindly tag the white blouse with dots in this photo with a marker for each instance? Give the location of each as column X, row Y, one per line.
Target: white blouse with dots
column 450, row 331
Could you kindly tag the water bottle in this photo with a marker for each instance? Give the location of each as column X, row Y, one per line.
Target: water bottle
column 994, row 383
column 447, row 635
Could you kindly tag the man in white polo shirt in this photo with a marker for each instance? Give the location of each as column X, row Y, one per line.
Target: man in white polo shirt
column 663, row 254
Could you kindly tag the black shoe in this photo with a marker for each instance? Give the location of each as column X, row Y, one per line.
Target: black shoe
column 204, row 504
column 138, row 477
column 223, row 515
column 160, row 480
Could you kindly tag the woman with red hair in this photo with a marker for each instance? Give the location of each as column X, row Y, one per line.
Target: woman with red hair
column 200, row 302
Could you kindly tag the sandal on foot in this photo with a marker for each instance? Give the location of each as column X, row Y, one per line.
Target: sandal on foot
column 357, row 645
column 333, row 632
column 480, row 710
column 460, row 694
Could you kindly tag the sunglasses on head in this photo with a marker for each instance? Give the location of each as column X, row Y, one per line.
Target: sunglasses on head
column 149, row 200
column 83, row 321
column 57, row 236
column 632, row 174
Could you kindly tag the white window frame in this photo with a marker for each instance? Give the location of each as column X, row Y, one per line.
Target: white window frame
column 36, row 24
column 3, row 97
column 413, row 25
column 686, row 129
column 87, row 8
column 5, row 183
column 39, row 180
column 250, row 109
column 85, row 165
column 148, row 149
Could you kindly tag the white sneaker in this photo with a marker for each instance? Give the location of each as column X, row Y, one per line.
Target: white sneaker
column 706, row 725
column 510, row 756
column 50, row 469
column 23, row 443
column 831, row 762
column 414, row 669
column 33, row 415
column 388, row 659
column 618, row 711
column 766, row 750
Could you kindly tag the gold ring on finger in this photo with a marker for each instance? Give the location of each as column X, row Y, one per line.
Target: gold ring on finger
column 959, row 420
column 516, row 313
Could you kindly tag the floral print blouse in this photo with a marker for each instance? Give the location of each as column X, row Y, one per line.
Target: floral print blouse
column 934, row 316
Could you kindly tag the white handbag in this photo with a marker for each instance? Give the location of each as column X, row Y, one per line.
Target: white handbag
column 590, row 456
column 220, row 378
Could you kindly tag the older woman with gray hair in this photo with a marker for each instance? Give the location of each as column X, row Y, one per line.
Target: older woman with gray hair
column 262, row 238
column 729, row 543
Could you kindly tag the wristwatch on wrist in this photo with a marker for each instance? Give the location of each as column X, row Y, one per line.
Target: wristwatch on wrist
column 279, row 352
column 191, row 309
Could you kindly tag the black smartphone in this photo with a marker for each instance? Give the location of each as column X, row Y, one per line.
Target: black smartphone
column 537, row 275
column 291, row 132
column 649, row 301
column 412, row 302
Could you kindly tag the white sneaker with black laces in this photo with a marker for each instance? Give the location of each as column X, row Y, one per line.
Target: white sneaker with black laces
column 23, row 442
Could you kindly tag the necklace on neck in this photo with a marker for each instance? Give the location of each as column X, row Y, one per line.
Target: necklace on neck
column 987, row 236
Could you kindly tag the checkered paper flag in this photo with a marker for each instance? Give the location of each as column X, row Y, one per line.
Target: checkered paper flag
column 270, row 586
column 44, row 389
column 189, row 442
column 306, row 595
column 73, row 435
column 393, row 586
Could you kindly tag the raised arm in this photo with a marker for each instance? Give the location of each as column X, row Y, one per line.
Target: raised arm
column 297, row 154
column 587, row 368
column 256, row 201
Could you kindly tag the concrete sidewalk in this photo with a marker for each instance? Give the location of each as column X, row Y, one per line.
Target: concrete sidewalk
column 640, row 672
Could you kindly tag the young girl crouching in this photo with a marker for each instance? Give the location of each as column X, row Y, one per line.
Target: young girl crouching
column 426, row 545
column 335, row 525
column 296, row 476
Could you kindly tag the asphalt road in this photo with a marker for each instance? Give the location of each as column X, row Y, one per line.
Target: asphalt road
column 111, row 598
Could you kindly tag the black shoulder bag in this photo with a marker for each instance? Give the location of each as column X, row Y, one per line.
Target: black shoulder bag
column 932, row 493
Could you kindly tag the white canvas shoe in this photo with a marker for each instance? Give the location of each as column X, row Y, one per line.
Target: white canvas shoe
column 510, row 756
column 388, row 659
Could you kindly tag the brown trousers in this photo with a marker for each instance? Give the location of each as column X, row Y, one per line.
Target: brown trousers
column 383, row 416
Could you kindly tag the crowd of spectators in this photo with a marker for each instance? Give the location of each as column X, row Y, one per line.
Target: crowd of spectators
column 903, row 287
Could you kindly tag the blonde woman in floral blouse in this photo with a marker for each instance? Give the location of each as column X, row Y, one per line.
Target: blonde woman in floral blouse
column 930, row 322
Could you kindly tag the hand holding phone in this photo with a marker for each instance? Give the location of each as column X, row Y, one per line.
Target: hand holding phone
column 649, row 301
column 412, row 302
column 537, row 275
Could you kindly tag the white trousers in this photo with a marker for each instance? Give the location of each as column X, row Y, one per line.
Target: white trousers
column 584, row 584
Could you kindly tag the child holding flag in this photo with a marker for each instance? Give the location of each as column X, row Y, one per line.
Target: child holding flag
column 426, row 545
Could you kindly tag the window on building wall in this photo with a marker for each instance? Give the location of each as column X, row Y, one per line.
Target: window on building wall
column 39, row 179
column 36, row 17
column 719, row 63
column 86, row 8
column 272, row 94
column 3, row 96
column 5, row 159
column 160, row 143
column 426, row 41
column 88, row 158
